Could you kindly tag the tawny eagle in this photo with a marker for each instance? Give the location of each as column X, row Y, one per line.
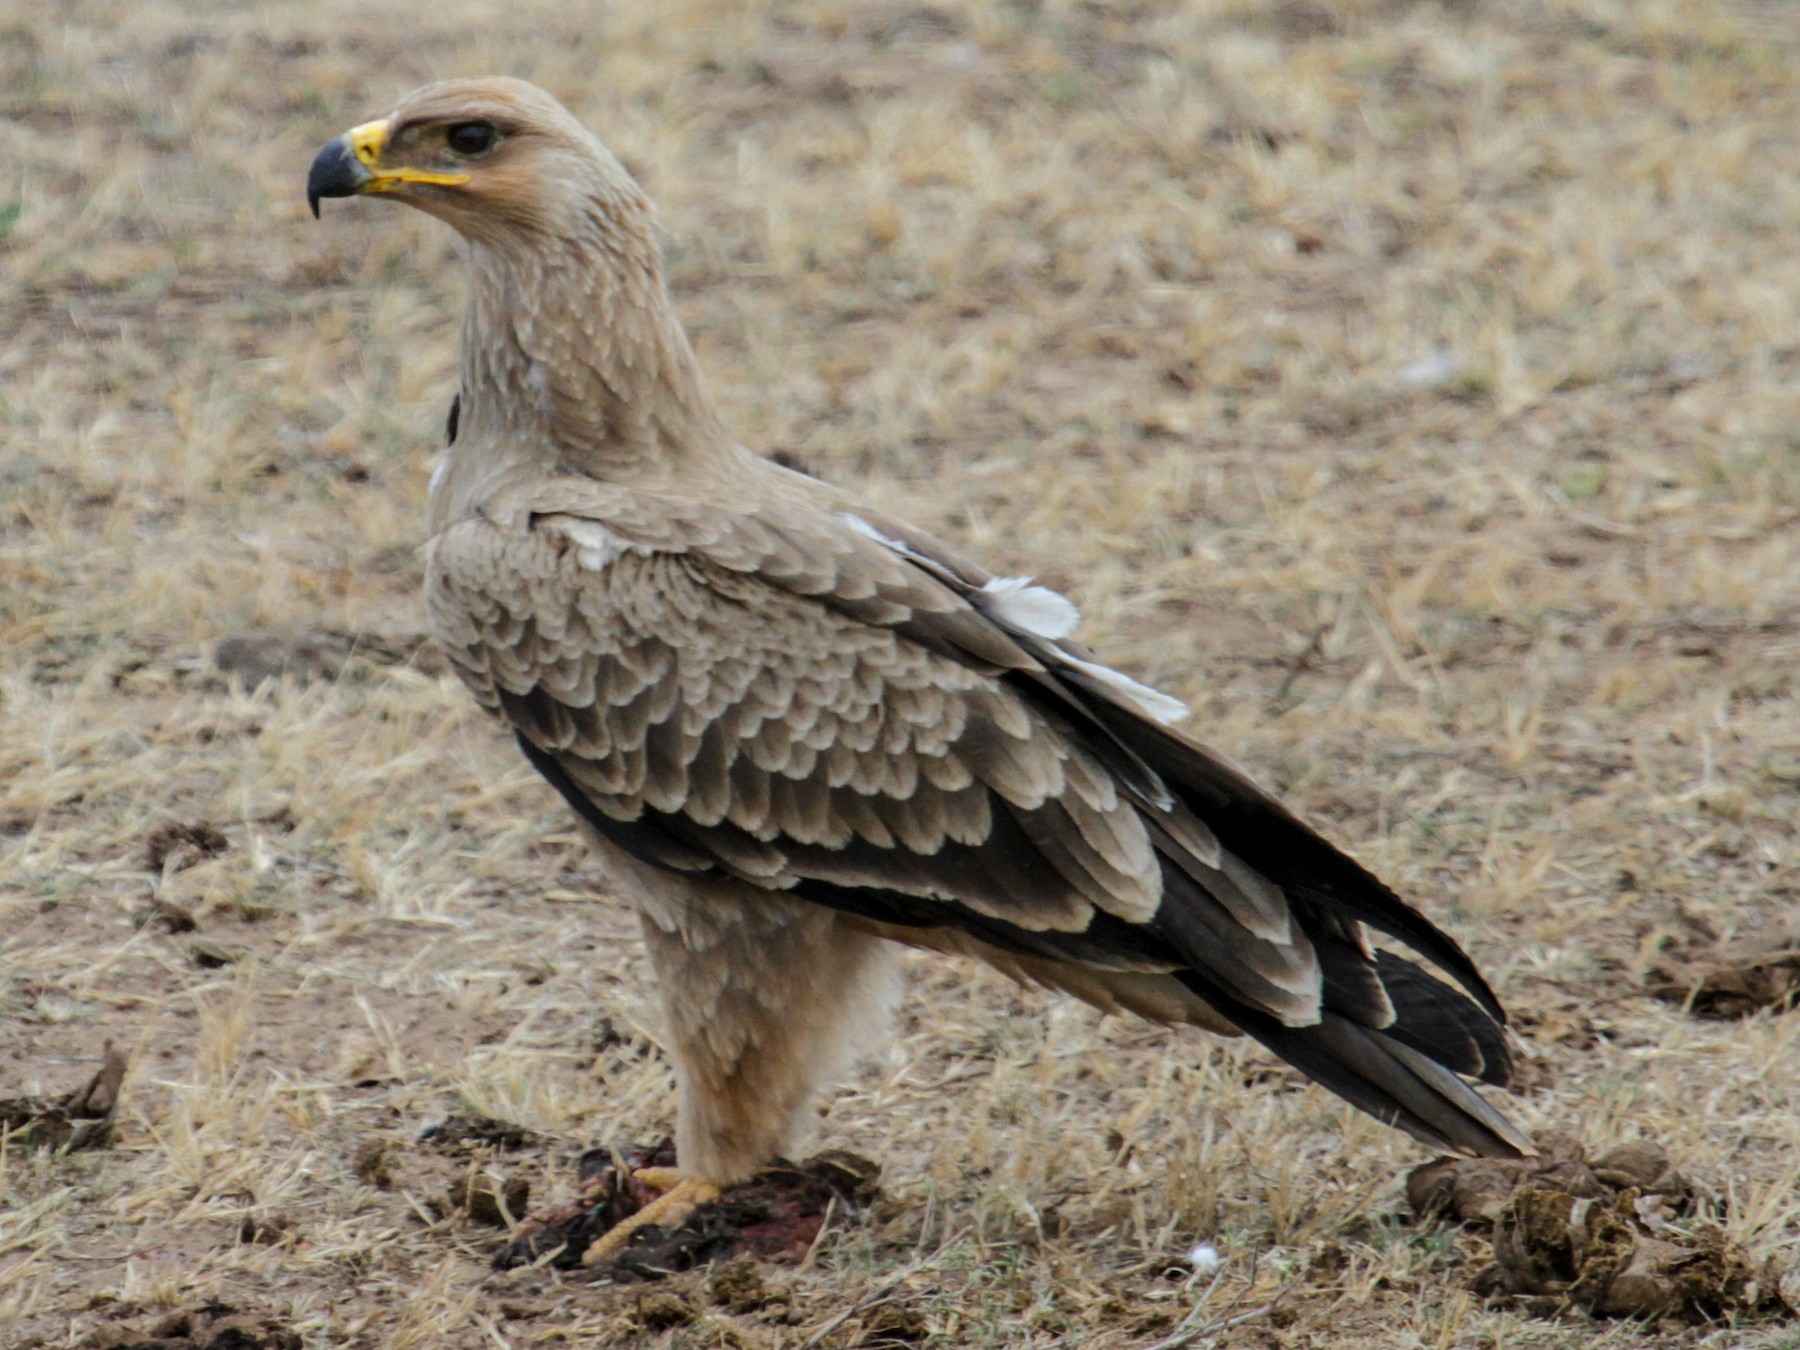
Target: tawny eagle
column 802, row 733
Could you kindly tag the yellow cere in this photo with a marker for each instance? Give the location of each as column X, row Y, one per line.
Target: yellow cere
column 368, row 141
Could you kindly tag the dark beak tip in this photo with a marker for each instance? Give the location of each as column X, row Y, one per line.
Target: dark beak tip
column 336, row 172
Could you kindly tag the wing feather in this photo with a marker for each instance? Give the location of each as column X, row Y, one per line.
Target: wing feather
column 834, row 705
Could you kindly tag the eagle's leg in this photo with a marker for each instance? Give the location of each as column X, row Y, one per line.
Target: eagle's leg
column 766, row 1001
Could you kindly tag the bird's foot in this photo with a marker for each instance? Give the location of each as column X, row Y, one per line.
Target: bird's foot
column 676, row 1200
column 643, row 1220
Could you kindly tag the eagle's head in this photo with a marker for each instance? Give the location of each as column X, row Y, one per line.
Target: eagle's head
column 496, row 158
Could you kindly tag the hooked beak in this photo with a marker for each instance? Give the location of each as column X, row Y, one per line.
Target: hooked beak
column 351, row 164
column 336, row 172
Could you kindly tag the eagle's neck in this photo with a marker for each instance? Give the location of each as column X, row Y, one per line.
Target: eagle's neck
column 573, row 357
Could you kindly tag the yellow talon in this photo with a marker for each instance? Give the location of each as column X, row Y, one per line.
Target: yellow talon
column 680, row 1197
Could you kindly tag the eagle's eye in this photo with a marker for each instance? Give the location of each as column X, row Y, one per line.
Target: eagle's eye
column 471, row 138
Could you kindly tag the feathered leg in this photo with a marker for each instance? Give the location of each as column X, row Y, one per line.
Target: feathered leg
column 765, row 1001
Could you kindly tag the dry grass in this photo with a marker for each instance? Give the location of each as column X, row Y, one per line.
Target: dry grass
column 1410, row 386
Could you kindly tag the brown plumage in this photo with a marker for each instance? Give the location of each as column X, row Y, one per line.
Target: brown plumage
column 800, row 731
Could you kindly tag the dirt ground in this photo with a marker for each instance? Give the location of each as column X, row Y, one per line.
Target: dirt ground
column 1411, row 387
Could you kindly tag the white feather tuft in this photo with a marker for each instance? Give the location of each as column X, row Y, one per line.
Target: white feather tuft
column 1015, row 602
column 905, row 550
column 1151, row 702
column 868, row 531
column 1205, row 1258
column 538, row 381
column 596, row 547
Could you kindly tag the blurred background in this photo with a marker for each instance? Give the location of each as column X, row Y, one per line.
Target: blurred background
column 1411, row 387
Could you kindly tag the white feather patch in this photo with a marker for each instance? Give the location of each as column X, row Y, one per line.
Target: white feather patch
column 904, row 550
column 1015, row 602
column 1151, row 702
column 1039, row 610
column 1205, row 1258
column 437, row 474
column 596, row 547
column 868, row 531
column 538, row 381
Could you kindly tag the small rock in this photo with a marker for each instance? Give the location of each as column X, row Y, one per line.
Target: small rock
column 1641, row 1286
column 739, row 1287
column 211, row 955
column 1533, row 1244
column 267, row 1229
column 174, row 847
column 1597, row 1234
column 1464, row 1189
column 209, row 1326
column 1729, row 983
column 1641, row 1164
column 894, row 1326
column 371, row 1163
column 82, row 1119
column 1436, row 367
column 498, row 1201
column 1596, row 1254
column 466, row 1132
column 659, row 1312
column 176, row 918
column 268, row 655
